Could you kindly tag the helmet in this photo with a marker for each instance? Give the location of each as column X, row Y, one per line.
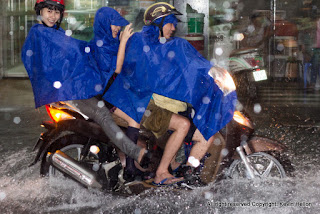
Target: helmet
column 57, row 3
column 52, row 1
column 158, row 10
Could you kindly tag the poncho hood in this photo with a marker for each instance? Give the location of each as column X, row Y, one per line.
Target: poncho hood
column 105, row 47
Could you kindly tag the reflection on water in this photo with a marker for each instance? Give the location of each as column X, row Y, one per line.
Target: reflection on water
column 23, row 191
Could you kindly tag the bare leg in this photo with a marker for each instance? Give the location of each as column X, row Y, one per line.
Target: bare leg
column 131, row 122
column 180, row 125
column 174, row 164
column 201, row 146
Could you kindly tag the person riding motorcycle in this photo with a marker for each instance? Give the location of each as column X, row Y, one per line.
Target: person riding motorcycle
column 62, row 68
column 164, row 60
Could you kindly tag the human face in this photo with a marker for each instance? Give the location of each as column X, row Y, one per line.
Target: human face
column 115, row 30
column 50, row 17
column 168, row 30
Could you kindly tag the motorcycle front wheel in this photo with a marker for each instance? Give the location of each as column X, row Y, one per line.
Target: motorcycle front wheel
column 263, row 165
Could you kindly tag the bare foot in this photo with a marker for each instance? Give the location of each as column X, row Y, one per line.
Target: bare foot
column 160, row 178
column 174, row 165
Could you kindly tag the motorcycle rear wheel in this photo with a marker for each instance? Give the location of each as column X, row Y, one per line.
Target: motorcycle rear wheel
column 71, row 144
column 264, row 165
column 72, row 150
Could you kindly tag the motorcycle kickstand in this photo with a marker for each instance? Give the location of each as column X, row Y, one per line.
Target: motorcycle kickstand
column 246, row 161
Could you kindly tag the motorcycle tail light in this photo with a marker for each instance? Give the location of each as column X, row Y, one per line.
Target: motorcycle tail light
column 240, row 118
column 253, row 62
column 58, row 114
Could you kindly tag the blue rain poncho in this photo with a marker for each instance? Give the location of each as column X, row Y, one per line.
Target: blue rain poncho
column 174, row 69
column 104, row 46
column 60, row 68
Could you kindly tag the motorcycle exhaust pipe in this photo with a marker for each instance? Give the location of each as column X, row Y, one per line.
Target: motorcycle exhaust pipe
column 71, row 167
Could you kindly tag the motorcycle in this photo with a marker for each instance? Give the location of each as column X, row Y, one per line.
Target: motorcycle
column 247, row 67
column 75, row 147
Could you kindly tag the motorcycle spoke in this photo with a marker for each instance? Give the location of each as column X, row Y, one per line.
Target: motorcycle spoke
column 268, row 170
column 78, row 153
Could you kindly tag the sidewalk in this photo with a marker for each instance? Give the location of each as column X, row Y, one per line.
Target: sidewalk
column 15, row 93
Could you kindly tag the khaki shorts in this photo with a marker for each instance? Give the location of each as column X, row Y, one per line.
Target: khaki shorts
column 156, row 119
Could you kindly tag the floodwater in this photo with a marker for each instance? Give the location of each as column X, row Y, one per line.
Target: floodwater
column 22, row 190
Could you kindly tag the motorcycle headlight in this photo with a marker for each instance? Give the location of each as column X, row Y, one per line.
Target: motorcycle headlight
column 240, row 118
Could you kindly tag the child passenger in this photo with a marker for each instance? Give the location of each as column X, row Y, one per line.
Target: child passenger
column 109, row 54
column 62, row 68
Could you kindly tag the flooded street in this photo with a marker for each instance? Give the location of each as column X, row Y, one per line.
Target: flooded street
column 22, row 190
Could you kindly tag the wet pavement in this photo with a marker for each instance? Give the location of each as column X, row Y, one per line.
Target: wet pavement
column 22, row 190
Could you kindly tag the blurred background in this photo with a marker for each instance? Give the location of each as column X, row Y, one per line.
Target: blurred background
column 282, row 33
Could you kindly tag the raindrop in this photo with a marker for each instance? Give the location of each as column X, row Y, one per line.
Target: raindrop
column 226, row 4
column 98, row 88
column 100, row 104
column 228, row 17
column 57, row 84
column 126, row 85
column 251, row 28
column 99, row 43
column 147, row 113
column 206, row 100
column 224, row 152
column 208, row 195
column 137, row 211
column 2, row 196
column 199, row 117
column 95, row 167
column 235, row 103
column 280, row 47
column 171, row 54
column 87, row 50
column 239, row 106
column 219, row 51
column 217, row 116
column 68, row 32
column 29, row 53
column 213, row 62
column 72, row 20
column 21, row 27
column 257, row 108
column 163, row 40
column 146, row 48
column 217, row 142
column 141, row 109
column 16, row 120
column 119, row 135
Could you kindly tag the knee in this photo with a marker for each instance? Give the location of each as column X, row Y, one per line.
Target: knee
column 184, row 125
column 133, row 123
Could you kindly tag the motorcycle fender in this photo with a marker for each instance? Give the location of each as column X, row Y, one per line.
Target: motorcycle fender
column 43, row 144
column 66, row 127
column 261, row 144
